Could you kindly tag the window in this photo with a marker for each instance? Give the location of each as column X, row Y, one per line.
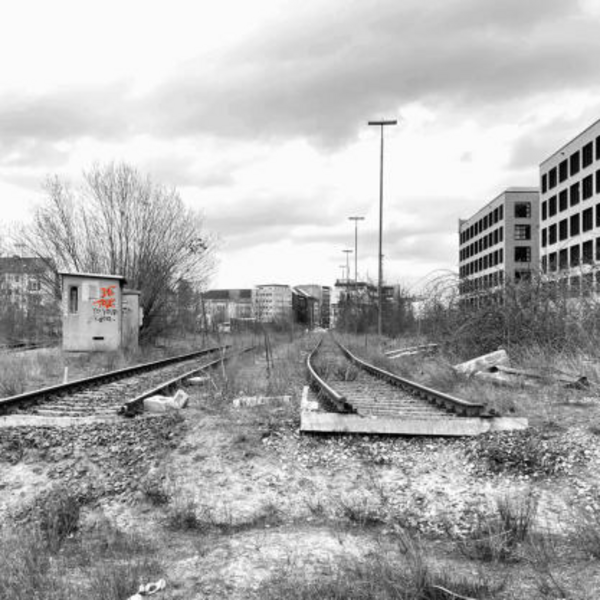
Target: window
column 575, row 194
column 563, row 230
column 522, row 210
column 597, row 215
column 552, row 178
column 563, row 200
column 544, row 183
column 574, row 225
column 597, row 182
column 544, row 238
column 574, row 160
column 496, row 234
column 552, row 206
column 598, row 250
column 598, row 148
column 544, row 210
column 563, row 170
column 501, row 234
column 552, row 234
column 587, row 155
column 522, row 254
column 522, row 276
column 501, row 211
column 588, row 187
column 587, row 219
column 563, row 259
column 587, row 252
column 574, row 251
column 552, row 262
column 73, row 299
column 545, row 264
column 522, row 232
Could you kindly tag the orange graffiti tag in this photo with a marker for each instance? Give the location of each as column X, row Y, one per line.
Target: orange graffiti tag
column 107, row 299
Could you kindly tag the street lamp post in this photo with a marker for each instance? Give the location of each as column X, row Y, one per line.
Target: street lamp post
column 356, row 220
column 381, row 125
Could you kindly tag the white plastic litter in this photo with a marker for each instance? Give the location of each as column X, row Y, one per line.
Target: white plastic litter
column 149, row 589
column 161, row 404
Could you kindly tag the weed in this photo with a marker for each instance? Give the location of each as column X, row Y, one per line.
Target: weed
column 587, row 532
column 376, row 576
column 496, row 536
column 361, row 511
column 57, row 516
column 156, row 488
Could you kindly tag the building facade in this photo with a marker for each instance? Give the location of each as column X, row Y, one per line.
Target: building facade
column 272, row 302
column 29, row 299
column 226, row 305
column 570, row 212
column 499, row 243
column 322, row 306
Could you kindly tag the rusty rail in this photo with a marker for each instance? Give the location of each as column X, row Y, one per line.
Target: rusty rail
column 323, row 388
column 34, row 396
column 449, row 403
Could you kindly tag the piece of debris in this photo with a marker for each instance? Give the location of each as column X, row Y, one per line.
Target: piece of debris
column 258, row 400
column 483, row 363
column 149, row 589
column 198, row 380
column 161, row 404
column 579, row 382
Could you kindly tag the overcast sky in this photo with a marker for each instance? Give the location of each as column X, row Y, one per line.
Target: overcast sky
column 257, row 112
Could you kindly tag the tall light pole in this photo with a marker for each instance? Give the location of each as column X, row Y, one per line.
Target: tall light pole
column 381, row 125
column 348, row 252
column 356, row 220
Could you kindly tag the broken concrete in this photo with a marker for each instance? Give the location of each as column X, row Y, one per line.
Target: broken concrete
column 162, row 404
column 483, row 363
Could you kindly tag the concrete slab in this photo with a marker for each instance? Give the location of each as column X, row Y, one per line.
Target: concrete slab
column 314, row 420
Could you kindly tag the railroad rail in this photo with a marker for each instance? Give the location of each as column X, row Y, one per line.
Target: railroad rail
column 368, row 398
column 82, row 397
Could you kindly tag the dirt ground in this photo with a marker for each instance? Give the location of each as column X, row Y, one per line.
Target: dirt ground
column 266, row 499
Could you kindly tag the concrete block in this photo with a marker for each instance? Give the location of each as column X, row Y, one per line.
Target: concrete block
column 162, row 404
column 483, row 363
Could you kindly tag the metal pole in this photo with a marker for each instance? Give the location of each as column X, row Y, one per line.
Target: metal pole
column 381, row 125
column 356, row 220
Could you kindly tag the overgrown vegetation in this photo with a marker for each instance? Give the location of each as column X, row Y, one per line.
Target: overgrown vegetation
column 531, row 451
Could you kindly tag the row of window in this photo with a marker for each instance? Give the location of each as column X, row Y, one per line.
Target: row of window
column 571, row 226
column 573, row 256
column 522, row 211
column 482, row 244
column 490, row 280
column 581, row 190
column 493, row 259
column 522, row 233
column 570, row 166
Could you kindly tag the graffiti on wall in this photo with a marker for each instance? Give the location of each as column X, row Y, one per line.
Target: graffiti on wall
column 104, row 308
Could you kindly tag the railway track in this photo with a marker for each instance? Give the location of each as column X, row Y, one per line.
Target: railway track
column 346, row 384
column 114, row 392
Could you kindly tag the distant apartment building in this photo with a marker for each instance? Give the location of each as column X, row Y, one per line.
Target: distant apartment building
column 272, row 302
column 226, row 305
column 499, row 243
column 22, row 279
column 570, row 212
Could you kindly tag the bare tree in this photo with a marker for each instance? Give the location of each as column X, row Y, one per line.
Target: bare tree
column 120, row 222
